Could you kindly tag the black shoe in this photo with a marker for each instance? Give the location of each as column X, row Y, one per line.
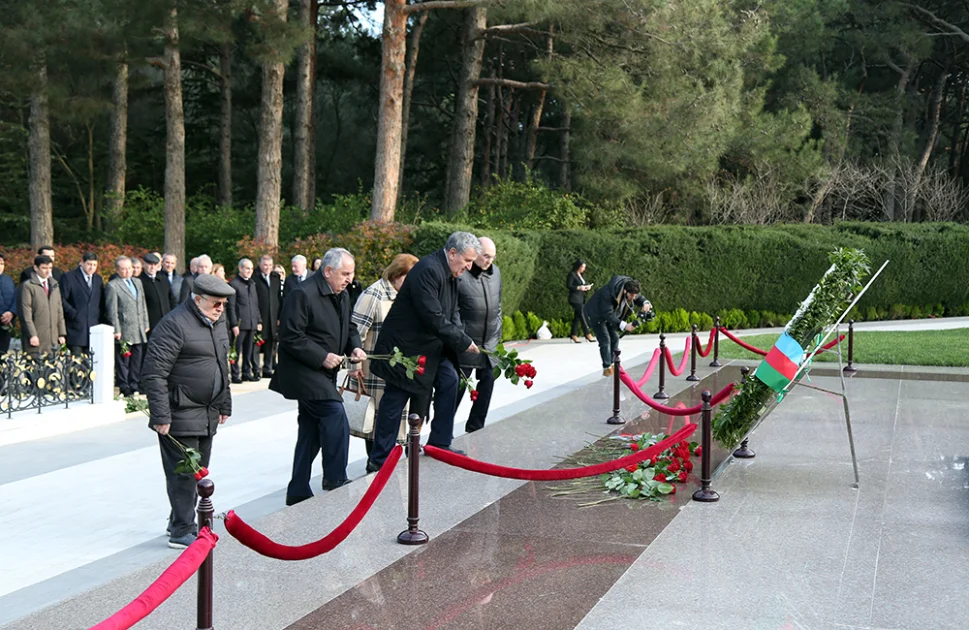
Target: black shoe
column 253, row 379
column 236, row 381
column 372, row 467
column 448, row 448
column 294, row 500
column 327, row 486
column 267, row 373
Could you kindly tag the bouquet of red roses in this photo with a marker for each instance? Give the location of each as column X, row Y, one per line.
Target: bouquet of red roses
column 233, row 355
column 192, row 461
column 508, row 363
column 258, row 340
column 125, row 349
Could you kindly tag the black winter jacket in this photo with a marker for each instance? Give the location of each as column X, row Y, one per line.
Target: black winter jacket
column 608, row 305
column 185, row 375
column 424, row 320
column 479, row 303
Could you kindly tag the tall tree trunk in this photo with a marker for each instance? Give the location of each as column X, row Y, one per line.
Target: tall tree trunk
column 565, row 173
column 901, row 88
column 955, row 153
column 464, row 126
column 930, row 136
column 117, row 145
column 303, row 137
column 225, row 127
column 515, row 146
column 269, row 176
column 535, row 121
column 390, row 115
column 175, row 143
column 38, row 146
column 410, row 65
column 489, row 134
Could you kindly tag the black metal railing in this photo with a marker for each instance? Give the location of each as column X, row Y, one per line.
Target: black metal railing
column 34, row 382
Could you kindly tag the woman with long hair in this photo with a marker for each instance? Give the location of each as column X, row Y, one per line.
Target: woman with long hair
column 578, row 288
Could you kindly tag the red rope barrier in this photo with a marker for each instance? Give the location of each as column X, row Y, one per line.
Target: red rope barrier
column 720, row 396
column 485, row 468
column 649, row 368
column 261, row 544
column 187, row 563
column 686, row 356
column 763, row 353
column 699, row 346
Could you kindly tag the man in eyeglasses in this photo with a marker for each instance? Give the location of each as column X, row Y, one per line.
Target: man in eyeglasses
column 186, row 380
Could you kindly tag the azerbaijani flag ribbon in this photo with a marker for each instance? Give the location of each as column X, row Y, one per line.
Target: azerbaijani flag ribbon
column 780, row 365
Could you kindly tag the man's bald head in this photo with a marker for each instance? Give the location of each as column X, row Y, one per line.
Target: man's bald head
column 488, row 252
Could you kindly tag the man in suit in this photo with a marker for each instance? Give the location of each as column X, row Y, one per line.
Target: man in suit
column 124, row 303
column 169, row 262
column 8, row 306
column 158, row 291
column 82, row 292
column 245, row 320
column 424, row 321
column 202, row 265
column 44, row 250
column 268, row 290
column 41, row 310
column 315, row 332
column 298, row 276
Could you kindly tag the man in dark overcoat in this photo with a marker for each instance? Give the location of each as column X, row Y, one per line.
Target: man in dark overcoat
column 315, row 332
column 245, row 320
column 159, row 297
column 424, row 321
column 82, row 293
column 269, row 291
column 186, row 380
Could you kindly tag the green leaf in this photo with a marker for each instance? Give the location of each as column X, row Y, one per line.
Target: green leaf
column 664, row 488
column 497, row 372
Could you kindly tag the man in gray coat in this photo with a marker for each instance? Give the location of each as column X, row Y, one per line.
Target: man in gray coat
column 187, row 384
column 127, row 311
column 479, row 303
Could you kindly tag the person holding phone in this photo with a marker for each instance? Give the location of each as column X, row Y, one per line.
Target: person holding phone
column 578, row 288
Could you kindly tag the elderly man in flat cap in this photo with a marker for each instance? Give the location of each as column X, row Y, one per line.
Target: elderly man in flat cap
column 186, row 380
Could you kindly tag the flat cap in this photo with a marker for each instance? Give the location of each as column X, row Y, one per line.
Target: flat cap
column 150, row 258
column 207, row 284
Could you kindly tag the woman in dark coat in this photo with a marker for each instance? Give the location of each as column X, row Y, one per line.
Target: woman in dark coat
column 577, row 293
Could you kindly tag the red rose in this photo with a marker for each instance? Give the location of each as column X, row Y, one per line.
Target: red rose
column 520, row 370
column 204, row 471
column 634, row 447
column 688, row 466
column 683, row 444
column 698, row 451
column 673, row 491
column 682, row 475
column 632, row 467
column 474, row 395
column 530, row 371
column 422, row 360
column 126, row 355
column 659, row 477
column 419, row 371
column 232, row 362
column 682, row 454
column 528, row 384
column 674, row 465
column 198, row 475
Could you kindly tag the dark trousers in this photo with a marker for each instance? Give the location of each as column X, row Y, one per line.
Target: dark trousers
column 246, row 363
column 181, row 486
column 4, row 341
column 479, row 409
column 79, row 350
column 608, row 338
column 387, row 422
column 267, row 353
column 578, row 319
column 323, row 426
column 127, row 370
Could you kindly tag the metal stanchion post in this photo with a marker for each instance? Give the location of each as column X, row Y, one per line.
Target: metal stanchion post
column 744, row 452
column 412, row 535
column 206, row 511
column 705, row 493
column 661, row 394
column 694, row 340
column 851, row 347
column 615, row 418
column 716, row 343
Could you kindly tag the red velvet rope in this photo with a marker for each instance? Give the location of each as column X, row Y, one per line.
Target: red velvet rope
column 187, row 563
column 261, row 544
column 649, row 368
column 485, row 468
column 669, row 359
column 699, row 346
column 763, row 353
column 718, row 398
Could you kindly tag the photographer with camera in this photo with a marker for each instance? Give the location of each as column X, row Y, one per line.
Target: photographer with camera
column 608, row 310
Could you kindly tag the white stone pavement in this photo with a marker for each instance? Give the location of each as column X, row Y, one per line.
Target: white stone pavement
column 85, row 507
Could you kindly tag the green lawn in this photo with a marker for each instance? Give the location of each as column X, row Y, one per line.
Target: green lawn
column 925, row 347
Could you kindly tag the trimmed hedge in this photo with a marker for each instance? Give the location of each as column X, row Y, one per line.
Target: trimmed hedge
column 714, row 269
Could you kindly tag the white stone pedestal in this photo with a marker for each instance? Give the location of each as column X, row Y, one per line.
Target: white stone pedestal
column 102, row 347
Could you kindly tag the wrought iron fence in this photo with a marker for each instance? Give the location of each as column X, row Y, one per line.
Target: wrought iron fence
column 57, row 378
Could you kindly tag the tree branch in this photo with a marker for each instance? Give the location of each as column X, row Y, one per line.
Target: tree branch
column 443, row 4
column 509, row 29
column 202, row 66
column 939, row 22
column 520, row 85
